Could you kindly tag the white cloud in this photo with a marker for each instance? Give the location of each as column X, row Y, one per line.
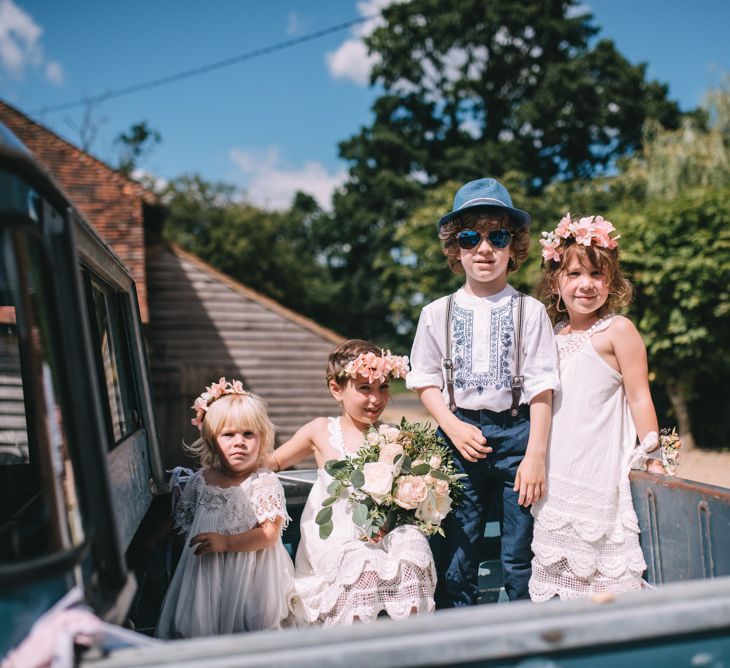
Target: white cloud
column 54, row 73
column 20, row 44
column 351, row 60
column 271, row 184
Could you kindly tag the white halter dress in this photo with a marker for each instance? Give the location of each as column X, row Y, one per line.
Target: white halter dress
column 342, row 578
column 586, row 534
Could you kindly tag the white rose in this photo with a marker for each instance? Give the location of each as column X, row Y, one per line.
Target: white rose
column 392, row 434
column 373, row 438
column 433, row 508
column 411, row 491
column 441, row 487
column 389, row 452
column 435, row 461
column 378, row 480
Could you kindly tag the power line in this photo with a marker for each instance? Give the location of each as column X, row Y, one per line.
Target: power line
column 161, row 81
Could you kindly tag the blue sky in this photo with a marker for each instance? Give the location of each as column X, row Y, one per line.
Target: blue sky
column 271, row 125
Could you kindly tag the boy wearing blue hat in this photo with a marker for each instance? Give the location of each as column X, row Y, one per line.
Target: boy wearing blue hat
column 484, row 363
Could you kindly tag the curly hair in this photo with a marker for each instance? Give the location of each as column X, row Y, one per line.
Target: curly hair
column 594, row 258
column 244, row 412
column 484, row 219
column 341, row 356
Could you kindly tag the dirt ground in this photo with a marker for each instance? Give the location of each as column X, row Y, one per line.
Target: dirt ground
column 705, row 466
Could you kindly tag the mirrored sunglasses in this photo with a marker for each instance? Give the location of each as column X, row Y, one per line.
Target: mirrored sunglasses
column 468, row 239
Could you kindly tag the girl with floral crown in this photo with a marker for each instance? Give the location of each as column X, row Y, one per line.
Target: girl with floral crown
column 586, row 534
column 234, row 573
column 344, row 578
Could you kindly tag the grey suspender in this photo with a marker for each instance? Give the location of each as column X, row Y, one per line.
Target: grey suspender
column 518, row 379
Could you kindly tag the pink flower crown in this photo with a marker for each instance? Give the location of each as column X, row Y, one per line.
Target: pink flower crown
column 213, row 392
column 378, row 367
column 586, row 231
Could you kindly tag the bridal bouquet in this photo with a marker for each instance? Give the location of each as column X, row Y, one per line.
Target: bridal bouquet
column 400, row 475
column 669, row 445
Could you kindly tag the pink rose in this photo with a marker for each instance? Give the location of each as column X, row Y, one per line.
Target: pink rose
column 433, row 508
column 389, row 452
column 563, row 228
column 410, row 491
column 435, row 461
column 378, row 480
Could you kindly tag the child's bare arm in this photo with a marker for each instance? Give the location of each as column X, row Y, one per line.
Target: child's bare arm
column 295, row 449
column 467, row 438
column 260, row 537
column 530, row 477
column 631, row 358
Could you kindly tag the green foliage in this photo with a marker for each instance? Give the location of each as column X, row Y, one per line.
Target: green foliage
column 271, row 251
column 471, row 89
column 139, row 140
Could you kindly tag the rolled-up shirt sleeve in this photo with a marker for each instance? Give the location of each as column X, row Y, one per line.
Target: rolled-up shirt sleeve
column 540, row 355
column 426, row 354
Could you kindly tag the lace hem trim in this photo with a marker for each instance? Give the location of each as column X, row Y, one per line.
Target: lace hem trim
column 546, row 584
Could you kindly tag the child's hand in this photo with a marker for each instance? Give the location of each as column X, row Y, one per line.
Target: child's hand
column 209, row 542
column 379, row 536
column 468, row 440
column 655, row 466
column 530, row 480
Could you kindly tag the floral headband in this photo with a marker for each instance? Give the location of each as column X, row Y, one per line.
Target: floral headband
column 377, row 367
column 586, row 231
column 215, row 391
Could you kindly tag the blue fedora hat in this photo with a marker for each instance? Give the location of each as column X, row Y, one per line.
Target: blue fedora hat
column 485, row 193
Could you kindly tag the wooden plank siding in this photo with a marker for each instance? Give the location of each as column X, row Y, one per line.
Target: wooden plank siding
column 204, row 325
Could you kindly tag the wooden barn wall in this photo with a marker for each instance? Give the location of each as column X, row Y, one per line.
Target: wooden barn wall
column 201, row 328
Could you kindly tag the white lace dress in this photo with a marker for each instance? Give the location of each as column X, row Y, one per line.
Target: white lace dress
column 586, row 534
column 342, row 578
column 228, row 592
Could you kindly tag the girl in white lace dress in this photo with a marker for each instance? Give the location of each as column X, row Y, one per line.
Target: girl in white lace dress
column 345, row 578
column 234, row 573
column 586, row 534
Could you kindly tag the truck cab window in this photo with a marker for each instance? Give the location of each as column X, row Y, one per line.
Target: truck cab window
column 114, row 356
column 39, row 505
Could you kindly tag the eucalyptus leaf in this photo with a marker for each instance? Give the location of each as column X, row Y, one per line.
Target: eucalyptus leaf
column 360, row 514
column 357, row 478
column 334, row 488
column 329, row 501
column 325, row 530
column 324, row 515
column 420, row 469
column 440, row 476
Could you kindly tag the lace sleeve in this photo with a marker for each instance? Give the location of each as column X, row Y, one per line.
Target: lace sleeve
column 187, row 505
column 269, row 502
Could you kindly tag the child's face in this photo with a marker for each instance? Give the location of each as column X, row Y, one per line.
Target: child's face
column 486, row 264
column 584, row 289
column 363, row 401
column 238, row 449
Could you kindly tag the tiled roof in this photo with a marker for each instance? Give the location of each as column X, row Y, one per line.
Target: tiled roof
column 108, row 200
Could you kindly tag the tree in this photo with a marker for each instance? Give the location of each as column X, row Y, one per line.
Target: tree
column 139, row 140
column 474, row 89
column 269, row 251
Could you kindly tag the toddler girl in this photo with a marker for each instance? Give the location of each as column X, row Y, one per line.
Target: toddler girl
column 234, row 573
column 586, row 534
column 344, row 578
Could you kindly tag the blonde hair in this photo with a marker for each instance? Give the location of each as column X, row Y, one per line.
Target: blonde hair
column 487, row 219
column 245, row 412
column 595, row 258
column 345, row 353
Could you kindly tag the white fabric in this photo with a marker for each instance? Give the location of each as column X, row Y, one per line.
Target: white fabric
column 586, row 534
column 342, row 578
column 228, row 592
column 483, row 350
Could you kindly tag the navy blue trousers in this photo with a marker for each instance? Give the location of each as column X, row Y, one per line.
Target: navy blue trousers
column 457, row 554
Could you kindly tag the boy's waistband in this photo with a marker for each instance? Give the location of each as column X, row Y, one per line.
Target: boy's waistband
column 484, row 415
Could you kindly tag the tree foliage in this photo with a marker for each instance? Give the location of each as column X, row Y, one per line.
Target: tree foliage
column 139, row 140
column 270, row 251
column 472, row 89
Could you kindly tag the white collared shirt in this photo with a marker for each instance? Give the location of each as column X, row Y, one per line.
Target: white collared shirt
column 482, row 344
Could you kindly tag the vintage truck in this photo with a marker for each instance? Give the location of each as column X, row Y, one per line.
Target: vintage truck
column 83, row 494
